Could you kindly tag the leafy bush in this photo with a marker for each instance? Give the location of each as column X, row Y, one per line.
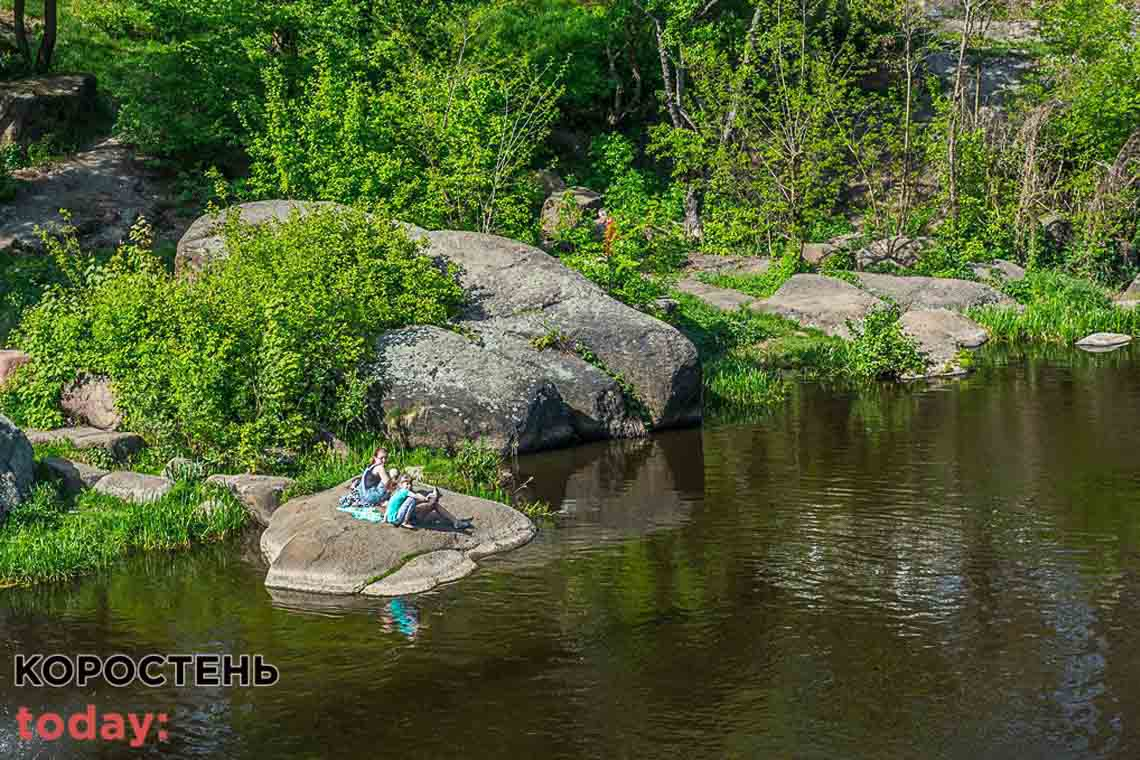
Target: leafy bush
column 263, row 348
column 880, row 350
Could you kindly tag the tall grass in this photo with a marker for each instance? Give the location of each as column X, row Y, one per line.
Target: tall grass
column 1058, row 308
column 50, row 538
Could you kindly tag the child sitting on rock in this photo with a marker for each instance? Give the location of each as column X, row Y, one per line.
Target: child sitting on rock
column 406, row 507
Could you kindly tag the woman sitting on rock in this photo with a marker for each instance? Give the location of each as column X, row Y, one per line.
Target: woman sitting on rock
column 374, row 485
column 406, row 507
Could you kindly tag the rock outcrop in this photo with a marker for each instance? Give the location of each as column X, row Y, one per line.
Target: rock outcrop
column 91, row 401
column 103, row 189
column 37, row 106
column 133, row 487
column 933, row 292
column 825, row 303
column 10, row 361
column 733, row 265
column 899, row 251
column 259, row 494
column 311, row 546
column 119, row 446
column 17, row 465
column 941, row 334
column 72, row 477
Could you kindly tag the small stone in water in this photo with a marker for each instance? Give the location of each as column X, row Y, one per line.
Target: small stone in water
column 1103, row 341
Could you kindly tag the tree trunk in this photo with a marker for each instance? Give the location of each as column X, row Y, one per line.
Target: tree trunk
column 47, row 45
column 693, row 227
column 21, row 31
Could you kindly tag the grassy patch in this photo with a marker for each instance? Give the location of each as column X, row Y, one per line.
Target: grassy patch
column 1058, row 309
column 50, row 538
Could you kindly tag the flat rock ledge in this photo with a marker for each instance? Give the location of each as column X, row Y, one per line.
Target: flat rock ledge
column 119, row 445
column 931, row 308
column 313, row 547
column 133, row 487
column 1104, row 341
column 259, row 494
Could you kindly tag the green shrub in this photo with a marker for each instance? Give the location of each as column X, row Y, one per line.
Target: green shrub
column 880, row 350
column 263, row 348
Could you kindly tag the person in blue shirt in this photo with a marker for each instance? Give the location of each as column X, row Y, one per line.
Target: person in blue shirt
column 406, row 507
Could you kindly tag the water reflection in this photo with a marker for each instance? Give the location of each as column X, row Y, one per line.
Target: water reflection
column 919, row 571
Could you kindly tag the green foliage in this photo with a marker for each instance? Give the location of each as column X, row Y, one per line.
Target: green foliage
column 50, row 538
column 1058, row 308
column 880, row 350
column 641, row 238
column 442, row 144
column 264, row 348
column 766, row 283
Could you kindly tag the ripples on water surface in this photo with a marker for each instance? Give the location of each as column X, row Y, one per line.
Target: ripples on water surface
column 934, row 571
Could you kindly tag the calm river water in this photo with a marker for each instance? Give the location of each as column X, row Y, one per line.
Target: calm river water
column 935, row 571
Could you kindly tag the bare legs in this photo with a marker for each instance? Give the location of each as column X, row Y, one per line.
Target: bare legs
column 427, row 507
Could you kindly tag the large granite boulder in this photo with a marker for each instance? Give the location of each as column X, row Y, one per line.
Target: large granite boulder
column 933, row 292
column 104, row 189
column 38, row 106
column 312, row 546
column 259, row 494
column 203, row 242
column 608, row 370
column 91, row 401
column 17, row 466
column 520, row 291
column 439, row 388
column 825, row 303
column 712, row 263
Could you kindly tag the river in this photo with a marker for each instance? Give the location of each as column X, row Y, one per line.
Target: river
column 946, row 570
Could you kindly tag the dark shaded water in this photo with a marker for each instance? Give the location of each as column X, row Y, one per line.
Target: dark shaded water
column 935, row 571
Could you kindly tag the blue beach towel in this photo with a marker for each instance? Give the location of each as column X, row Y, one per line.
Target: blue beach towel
column 364, row 513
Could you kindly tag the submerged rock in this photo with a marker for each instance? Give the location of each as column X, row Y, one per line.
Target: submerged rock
column 72, row 477
column 259, row 494
column 134, row 487
column 119, row 446
column 311, row 546
column 933, row 292
column 17, row 463
column 825, row 303
column 1103, row 341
